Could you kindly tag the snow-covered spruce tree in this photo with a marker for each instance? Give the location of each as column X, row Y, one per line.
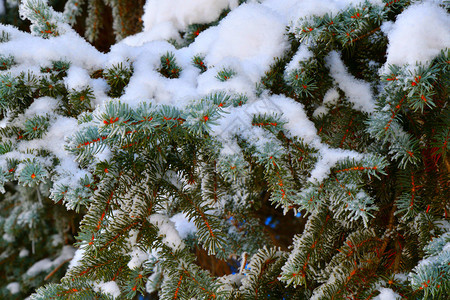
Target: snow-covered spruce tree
column 172, row 146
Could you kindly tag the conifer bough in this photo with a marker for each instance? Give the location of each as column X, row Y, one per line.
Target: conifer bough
column 176, row 140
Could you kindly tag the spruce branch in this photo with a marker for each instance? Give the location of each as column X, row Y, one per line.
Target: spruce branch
column 45, row 21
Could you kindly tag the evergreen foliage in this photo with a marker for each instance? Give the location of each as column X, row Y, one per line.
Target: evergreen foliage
column 370, row 183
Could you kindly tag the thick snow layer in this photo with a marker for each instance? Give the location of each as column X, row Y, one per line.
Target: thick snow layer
column 247, row 40
column 249, row 32
column 180, row 13
column 41, row 107
column 163, row 19
column 77, row 78
column 357, row 90
column 418, row 35
column 59, row 131
column 147, row 83
column 35, row 51
column 298, row 123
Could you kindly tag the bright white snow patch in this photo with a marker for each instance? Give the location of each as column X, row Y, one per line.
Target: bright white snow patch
column 357, row 90
column 35, row 51
column 9, row 238
column 183, row 225
column 251, row 34
column 170, row 236
column 329, row 157
column 302, row 54
column 331, row 96
column 250, row 31
column 41, row 106
column 387, row 294
column 180, row 13
column 77, row 78
column 76, row 258
column 298, row 122
column 13, row 287
column 110, row 288
column 24, row 253
column 418, row 35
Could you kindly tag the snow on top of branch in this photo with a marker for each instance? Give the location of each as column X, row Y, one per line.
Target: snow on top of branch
column 45, row 264
column 35, row 51
column 250, row 32
column 13, row 287
column 302, row 54
column 246, row 41
column 357, row 90
column 167, row 230
column 181, row 13
column 294, row 9
column 163, row 19
column 110, row 288
column 183, row 225
column 418, row 35
column 77, row 78
column 41, row 106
